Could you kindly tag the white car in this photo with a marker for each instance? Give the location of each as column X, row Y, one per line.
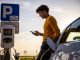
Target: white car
column 68, row 45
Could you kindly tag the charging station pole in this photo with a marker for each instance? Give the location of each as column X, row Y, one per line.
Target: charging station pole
column 9, row 27
column 7, row 40
column 6, row 54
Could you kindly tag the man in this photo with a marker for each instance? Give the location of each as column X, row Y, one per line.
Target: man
column 50, row 30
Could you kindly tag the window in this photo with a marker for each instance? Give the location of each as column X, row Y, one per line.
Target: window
column 76, row 24
column 73, row 27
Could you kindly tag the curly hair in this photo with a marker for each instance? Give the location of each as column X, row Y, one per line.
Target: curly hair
column 42, row 8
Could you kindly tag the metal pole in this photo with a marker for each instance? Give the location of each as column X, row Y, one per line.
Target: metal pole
column 6, row 54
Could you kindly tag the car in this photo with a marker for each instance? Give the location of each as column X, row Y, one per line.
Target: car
column 68, row 44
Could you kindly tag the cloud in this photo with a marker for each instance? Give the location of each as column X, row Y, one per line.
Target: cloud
column 56, row 9
column 67, row 7
column 25, row 5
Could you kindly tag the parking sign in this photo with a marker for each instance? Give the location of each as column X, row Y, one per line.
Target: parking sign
column 9, row 12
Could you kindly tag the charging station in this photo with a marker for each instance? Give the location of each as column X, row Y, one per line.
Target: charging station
column 7, row 36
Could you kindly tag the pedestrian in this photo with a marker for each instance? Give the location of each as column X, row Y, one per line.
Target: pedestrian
column 50, row 28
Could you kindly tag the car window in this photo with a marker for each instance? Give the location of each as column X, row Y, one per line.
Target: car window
column 76, row 24
column 73, row 27
column 73, row 36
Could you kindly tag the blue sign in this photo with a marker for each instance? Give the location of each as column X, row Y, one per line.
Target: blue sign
column 9, row 12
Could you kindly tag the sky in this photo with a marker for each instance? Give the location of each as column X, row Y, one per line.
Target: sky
column 65, row 11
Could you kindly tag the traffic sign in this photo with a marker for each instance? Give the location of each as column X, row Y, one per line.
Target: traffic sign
column 15, row 24
column 9, row 12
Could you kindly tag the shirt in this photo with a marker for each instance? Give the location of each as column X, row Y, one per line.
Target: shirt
column 51, row 29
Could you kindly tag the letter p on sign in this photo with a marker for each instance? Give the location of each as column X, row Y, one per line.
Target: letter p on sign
column 7, row 10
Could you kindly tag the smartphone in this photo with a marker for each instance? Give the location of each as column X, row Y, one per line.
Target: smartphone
column 32, row 32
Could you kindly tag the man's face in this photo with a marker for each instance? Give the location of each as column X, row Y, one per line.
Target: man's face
column 42, row 14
